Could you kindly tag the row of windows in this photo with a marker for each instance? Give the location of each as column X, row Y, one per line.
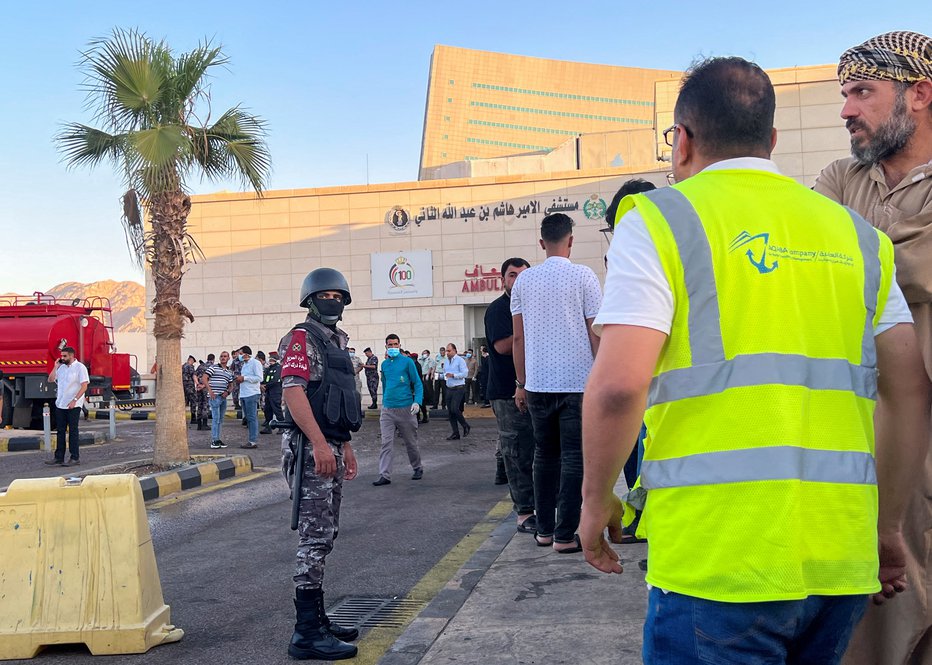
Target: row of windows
column 506, row 144
column 563, row 114
column 526, row 128
column 561, row 95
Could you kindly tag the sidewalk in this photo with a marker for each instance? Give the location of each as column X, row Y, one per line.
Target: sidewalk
column 526, row 605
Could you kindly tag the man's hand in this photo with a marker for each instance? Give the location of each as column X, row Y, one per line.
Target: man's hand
column 349, row 460
column 521, row 399
column 415, row 408
column 73, row 403
column 239, row 379
column 449, row 375
column 595, row 518
column 892, row 566
column 325, row 463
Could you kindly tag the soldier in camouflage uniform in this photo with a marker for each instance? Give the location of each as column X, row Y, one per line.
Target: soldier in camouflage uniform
column 316, row 371
column 203, row 409
column 189, row 386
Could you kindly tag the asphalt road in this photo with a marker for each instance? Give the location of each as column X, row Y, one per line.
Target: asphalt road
column 225, row 557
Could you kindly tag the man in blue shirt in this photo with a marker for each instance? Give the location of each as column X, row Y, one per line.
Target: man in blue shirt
column 402, row 394
column 455, row 372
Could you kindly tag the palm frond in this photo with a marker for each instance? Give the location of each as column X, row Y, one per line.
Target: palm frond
column 81, row 145
column 234, row 147
column 190, row 70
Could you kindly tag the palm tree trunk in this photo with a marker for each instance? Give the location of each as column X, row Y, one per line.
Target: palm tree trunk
column 171, row 430
column 169, row 214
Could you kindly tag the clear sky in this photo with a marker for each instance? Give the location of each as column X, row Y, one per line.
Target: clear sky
column 337, row 83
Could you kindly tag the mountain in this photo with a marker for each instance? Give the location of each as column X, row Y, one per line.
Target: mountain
column 127, row 300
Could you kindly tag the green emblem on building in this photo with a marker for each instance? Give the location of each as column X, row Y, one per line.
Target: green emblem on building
column 594, row 207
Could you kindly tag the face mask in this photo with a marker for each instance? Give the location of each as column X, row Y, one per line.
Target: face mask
column 239, row 357
column 393, row 353
column 424, row 355
column 469, row 355
column 327, row 311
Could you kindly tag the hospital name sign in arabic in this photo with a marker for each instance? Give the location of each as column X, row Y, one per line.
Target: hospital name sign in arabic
column 593, row 206
column 398, row 275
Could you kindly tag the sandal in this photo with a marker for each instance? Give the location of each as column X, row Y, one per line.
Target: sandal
column 537, row 539
column 570, row 550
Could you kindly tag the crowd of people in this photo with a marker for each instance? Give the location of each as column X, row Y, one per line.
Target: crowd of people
column 759, row 360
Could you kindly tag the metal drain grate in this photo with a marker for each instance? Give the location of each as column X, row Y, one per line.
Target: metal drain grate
column 376, row 612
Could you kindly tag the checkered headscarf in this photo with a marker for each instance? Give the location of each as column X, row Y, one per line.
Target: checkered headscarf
column 893, row 56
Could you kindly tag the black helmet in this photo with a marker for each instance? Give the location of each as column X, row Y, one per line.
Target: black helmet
column 324, row 279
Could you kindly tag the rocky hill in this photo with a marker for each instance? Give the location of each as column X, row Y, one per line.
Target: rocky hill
column 127, row 299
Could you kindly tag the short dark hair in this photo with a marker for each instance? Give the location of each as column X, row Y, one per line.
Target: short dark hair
column 515, row 261
column 69, row 349
column 392, row 336
column 246, row 350
column 556, row 227
column 260, row 355
column 633, row 186
column 192, row 358
column 368, row 349
column 453, row 345
column 728, row 106
column 211, row 357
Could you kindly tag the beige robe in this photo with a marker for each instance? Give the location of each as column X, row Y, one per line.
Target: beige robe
column 898, row 632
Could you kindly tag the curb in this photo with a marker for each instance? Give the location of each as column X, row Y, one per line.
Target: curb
column 16, row 444
column 169, row 482
column 121, row 415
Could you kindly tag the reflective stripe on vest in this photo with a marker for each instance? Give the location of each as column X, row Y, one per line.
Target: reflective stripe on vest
column 711, row 372
column 774, row 463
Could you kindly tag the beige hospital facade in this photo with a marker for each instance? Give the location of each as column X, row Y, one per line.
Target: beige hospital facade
column 507, row 139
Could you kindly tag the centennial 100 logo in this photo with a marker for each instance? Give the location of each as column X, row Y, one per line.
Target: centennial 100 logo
column 401, row 274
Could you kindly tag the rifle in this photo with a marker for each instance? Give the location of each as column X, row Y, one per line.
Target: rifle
column 299, row 457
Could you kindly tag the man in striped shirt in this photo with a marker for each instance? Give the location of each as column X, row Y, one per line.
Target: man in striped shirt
column 218, row 382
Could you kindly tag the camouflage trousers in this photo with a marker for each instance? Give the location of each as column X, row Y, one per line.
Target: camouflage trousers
column 319, row 520
column 202, row 411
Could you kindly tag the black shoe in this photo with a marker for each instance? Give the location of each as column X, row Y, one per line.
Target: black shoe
column 372, row 406
column 54, row 462
column 202, row 425
column 434, row 408
column 466, row 429
column 75, row 462
column 265, row 430
column 382, row 481
column 311, row 638
column 453, row 437
column 245, row 424
column 486, row 406
column 418, row 474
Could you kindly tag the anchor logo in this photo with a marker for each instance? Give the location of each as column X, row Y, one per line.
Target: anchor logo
column 744, row 238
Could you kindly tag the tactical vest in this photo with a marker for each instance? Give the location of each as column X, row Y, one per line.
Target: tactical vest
column 759, row 463
column 333, row 400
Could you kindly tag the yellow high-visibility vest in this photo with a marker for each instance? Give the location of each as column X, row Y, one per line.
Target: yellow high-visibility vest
column 759, row 459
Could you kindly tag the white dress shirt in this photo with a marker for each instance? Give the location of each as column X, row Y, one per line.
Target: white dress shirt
column 456, row 367
column 68, row 380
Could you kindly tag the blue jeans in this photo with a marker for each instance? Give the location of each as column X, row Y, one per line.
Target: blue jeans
column 683, row 630
column 250, row 406
column 218, row 411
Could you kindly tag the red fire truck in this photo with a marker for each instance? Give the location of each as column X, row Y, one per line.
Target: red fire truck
column 33, row 330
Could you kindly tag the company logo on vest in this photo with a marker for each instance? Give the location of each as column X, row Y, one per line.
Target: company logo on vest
column 745, row 238
column 781, row 252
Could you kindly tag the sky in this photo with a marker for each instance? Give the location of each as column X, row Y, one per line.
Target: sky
column 338, row 84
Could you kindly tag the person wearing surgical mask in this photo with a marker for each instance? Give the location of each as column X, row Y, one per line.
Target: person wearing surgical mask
column 402, row 395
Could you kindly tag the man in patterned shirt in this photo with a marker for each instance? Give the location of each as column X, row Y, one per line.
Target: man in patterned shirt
column 322, row 401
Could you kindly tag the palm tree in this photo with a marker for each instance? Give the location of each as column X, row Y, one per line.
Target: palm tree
column 146, row 101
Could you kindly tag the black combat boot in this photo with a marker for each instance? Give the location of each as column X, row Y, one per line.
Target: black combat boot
column 338, row 631
column 202, row 424
column 311, row 638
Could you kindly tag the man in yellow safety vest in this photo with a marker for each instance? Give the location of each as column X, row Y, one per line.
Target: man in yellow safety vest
column 759, row 324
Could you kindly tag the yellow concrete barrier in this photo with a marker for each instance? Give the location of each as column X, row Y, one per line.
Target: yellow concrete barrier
column 77, row 566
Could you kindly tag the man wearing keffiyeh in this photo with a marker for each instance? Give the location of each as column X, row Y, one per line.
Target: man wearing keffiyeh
column 887, row 86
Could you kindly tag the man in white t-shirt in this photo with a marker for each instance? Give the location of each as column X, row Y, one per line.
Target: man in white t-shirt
column 552, row 306
column 71, row 380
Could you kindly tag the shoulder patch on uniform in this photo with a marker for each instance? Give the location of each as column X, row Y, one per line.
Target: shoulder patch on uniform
column 295, row 361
